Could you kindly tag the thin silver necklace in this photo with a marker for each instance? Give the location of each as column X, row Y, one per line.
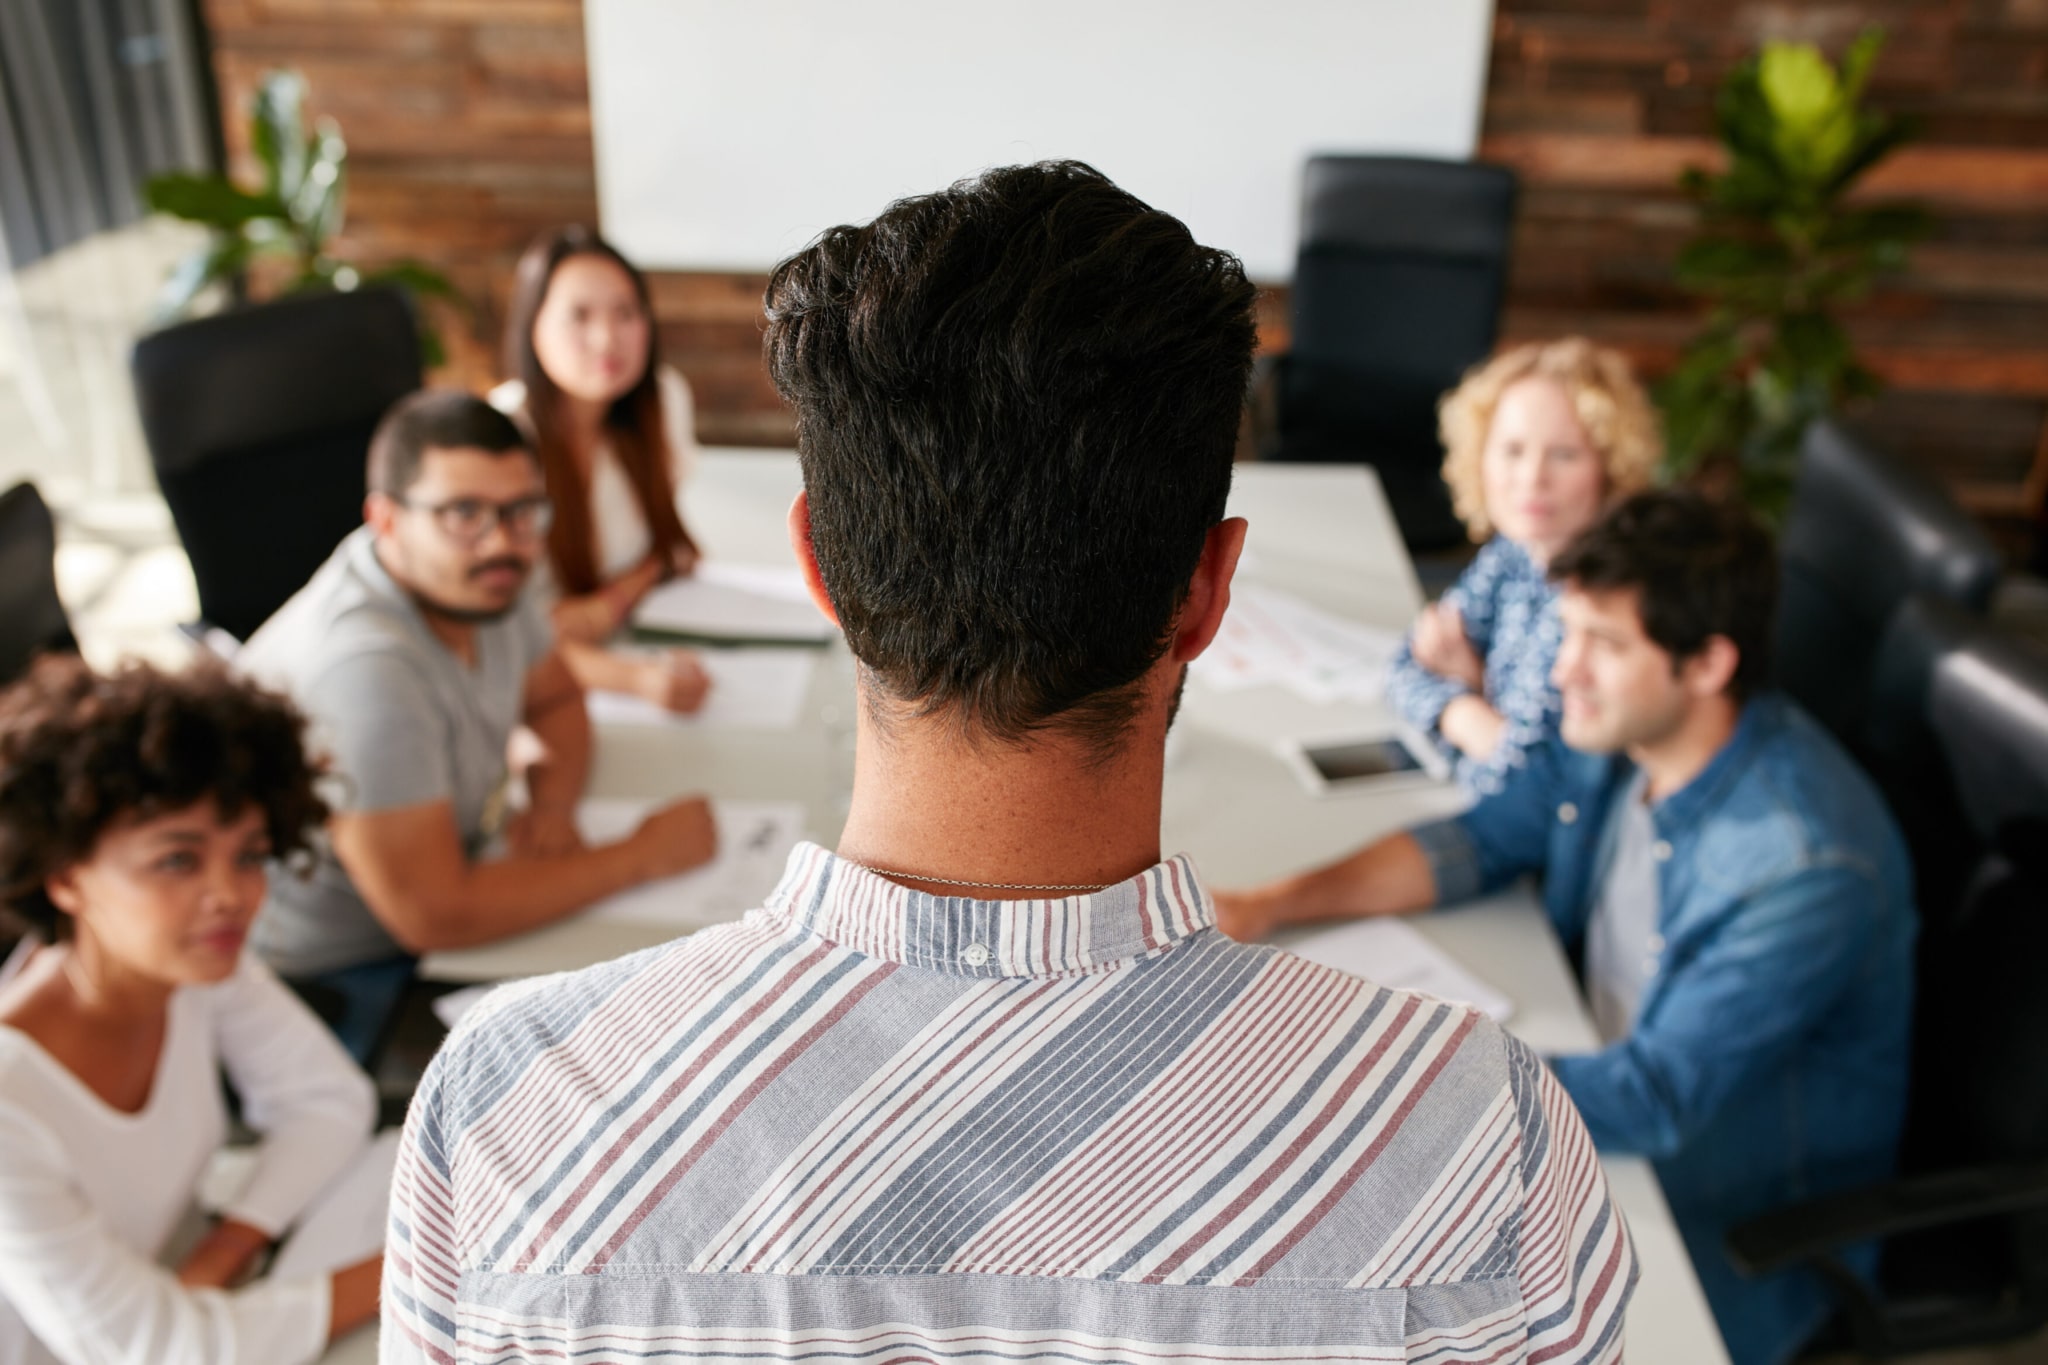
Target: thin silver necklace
column 985, row 886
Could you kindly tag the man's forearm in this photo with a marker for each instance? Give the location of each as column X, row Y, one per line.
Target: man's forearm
column 555, row 784
column 1383, row 878
column 511, row 895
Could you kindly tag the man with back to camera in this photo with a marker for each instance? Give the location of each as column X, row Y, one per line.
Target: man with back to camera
column 415, row 652
column 984, row 1084
column 1732, row 883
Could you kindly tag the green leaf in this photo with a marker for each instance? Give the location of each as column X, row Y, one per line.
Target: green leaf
column 1858, row 60
column 1799, row 85
column 1877, row 137
column 277, row 132
column 422, row 280
column 216, row 263
column 209, row 199
column 322, row 199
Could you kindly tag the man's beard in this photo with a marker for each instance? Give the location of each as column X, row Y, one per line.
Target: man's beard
column 473, row 616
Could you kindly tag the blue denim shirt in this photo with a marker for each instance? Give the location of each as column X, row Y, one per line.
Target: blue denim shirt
column 1768, row 1062
column 1509, row 607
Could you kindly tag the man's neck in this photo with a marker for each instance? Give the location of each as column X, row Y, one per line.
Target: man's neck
column 458, row 636
column 1024, row 817
column 1675, row 759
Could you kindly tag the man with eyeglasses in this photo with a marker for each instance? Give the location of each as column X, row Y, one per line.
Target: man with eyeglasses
column 415, row 651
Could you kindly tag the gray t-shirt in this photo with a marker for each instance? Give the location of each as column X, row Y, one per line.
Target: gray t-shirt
column 1622, row 944
column 405, row 721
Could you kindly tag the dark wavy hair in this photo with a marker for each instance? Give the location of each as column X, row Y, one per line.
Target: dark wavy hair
column 1017, row 401
column 1701, row 567
column 82, row 751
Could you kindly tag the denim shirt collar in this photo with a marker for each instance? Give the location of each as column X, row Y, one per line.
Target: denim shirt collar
column 1686, row 807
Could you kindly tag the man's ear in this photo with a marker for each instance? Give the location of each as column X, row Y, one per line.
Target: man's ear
column 380, row 510
column 1201, row 616
column 1708, row 672
column 807, row 556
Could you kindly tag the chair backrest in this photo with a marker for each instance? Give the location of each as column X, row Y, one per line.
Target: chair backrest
column 1981, row 1076
column 1865, row 532
column 1397, row 292
column 1897, row 744
column 258, row 423
column 32, row 618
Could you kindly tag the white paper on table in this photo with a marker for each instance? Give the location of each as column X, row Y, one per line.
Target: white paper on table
column 347, row 1223
column 1273, row 637
column 754, row 840
column 751, row 689
column 1388, row 952
column 721, row 601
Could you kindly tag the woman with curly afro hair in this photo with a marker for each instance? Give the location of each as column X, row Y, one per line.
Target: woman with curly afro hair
column 138, row 813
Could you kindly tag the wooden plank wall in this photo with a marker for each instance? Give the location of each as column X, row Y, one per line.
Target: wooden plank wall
column 1599, row 103
column 469, row 128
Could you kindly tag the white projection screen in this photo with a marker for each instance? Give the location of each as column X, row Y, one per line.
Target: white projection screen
column 729, row 132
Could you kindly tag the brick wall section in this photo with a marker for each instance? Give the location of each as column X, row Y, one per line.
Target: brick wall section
column 469, row 128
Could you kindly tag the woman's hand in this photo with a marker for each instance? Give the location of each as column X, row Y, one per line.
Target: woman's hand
column 589, row 619
column 595, row 617
column 1441, row 647
column 223, row 1256
column 673, row 679
column 1472, row 726
column 352, row 1296
column 683, row 559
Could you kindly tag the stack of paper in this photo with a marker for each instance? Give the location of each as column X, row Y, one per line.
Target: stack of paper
column 751, row 689
column 1389, row 952
column 739, row 602
column 1269, row 636
column 754, row 840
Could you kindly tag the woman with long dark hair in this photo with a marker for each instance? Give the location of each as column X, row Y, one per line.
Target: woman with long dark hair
column 613, row 428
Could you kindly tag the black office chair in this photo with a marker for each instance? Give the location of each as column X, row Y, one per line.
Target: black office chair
column 1965, row 1228
column 258, row 423
column 1865, row 532
column 1397, row 292
column 32, row 618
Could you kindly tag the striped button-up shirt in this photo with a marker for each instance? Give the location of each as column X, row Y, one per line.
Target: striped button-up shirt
column 865, row 1124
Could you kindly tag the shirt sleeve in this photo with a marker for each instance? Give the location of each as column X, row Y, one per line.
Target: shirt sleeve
column 1505, row 835
column 1573, row 1261
column 422, row 1261
column 91, row 1300
column 1731, row 1014
column 310, row 1102
column 376, row 717
column 1419, row 696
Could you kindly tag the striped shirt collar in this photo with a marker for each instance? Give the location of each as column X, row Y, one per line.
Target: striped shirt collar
column 858, row 909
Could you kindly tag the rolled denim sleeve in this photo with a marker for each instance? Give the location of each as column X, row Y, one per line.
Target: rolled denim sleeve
column 1503, row 836
column 1732, row 1013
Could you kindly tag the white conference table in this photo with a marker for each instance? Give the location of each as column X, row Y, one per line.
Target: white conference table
column 1323, row 532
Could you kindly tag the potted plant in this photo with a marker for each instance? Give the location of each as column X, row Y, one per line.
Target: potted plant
column 1779, row 249
column 289, row 219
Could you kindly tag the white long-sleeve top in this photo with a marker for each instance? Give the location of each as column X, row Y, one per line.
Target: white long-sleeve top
column 89, row 1195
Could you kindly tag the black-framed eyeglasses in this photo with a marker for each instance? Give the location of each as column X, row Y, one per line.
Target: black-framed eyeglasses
column 469, row 520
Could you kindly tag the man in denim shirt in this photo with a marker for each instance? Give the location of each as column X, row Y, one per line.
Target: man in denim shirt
column 1737, row 896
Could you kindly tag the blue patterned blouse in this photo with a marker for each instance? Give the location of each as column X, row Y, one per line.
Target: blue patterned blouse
column 1510, row 612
